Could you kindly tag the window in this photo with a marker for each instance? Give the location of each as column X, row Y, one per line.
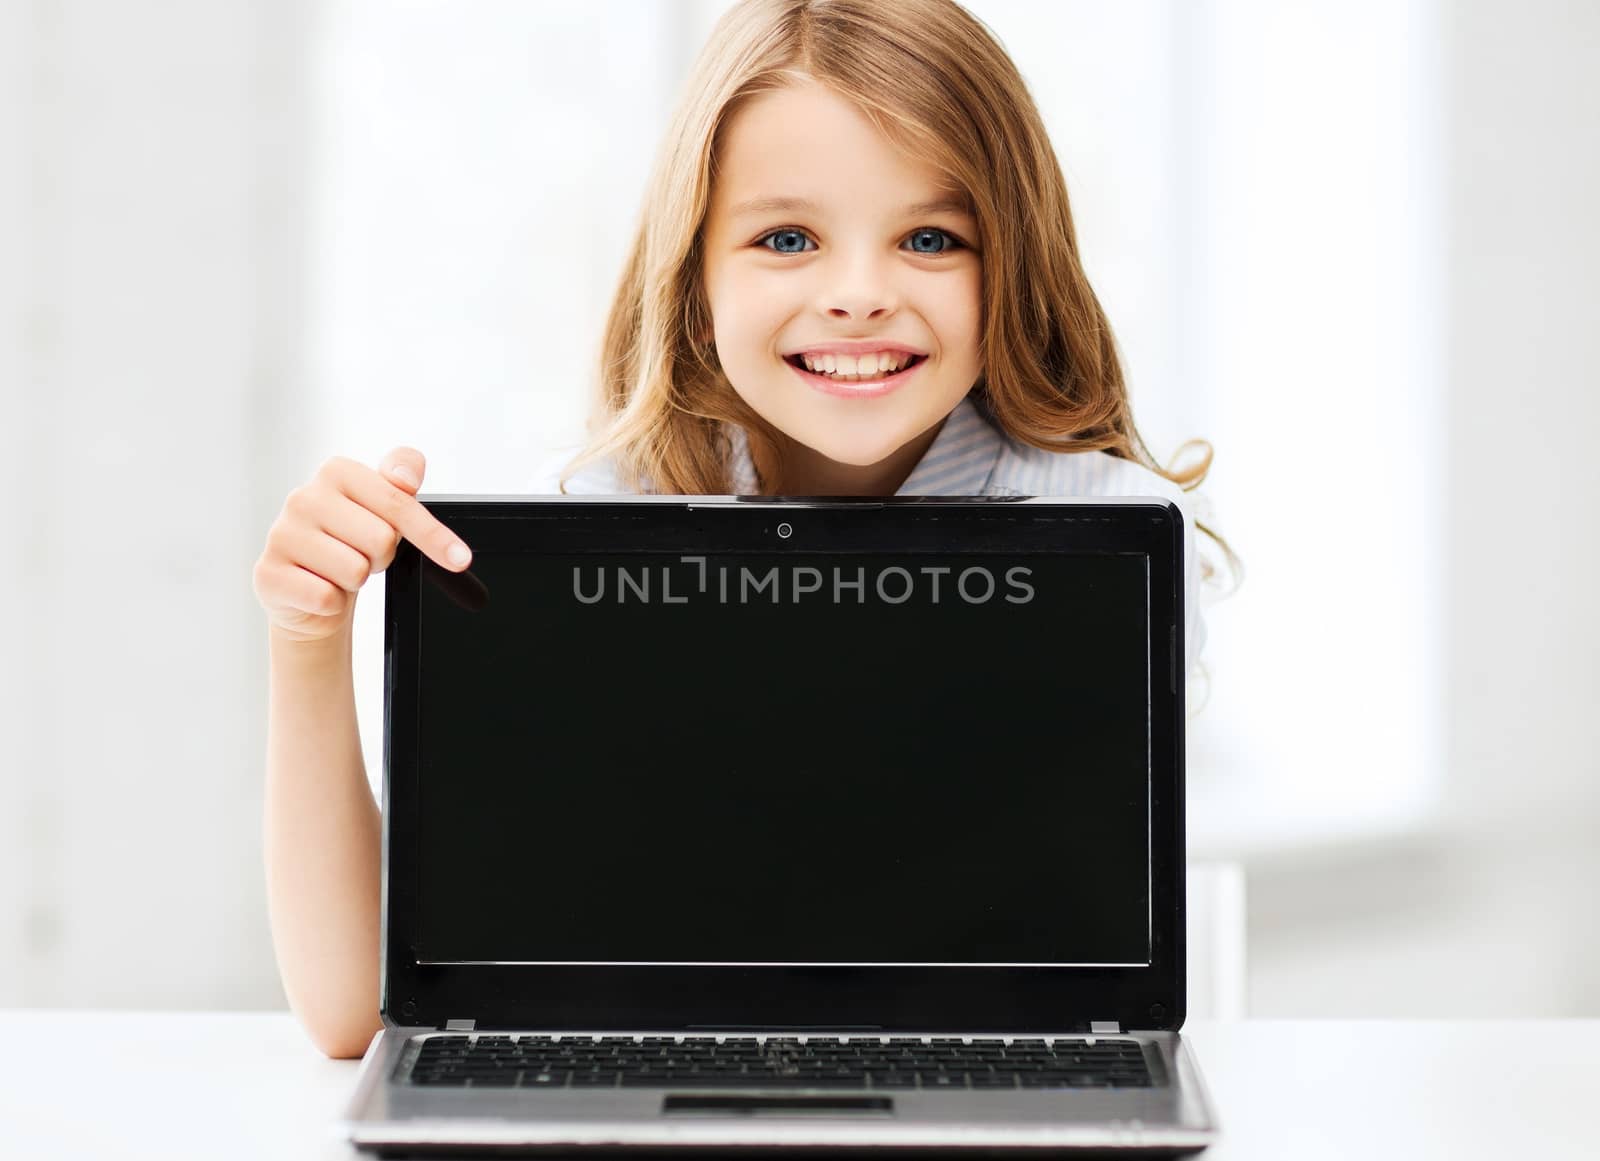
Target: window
column 1256, row 192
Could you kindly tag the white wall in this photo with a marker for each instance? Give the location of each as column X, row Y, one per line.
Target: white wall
column 1491, row 913
column 150, row 179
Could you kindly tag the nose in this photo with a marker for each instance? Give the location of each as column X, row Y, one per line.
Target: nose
column 859, row 288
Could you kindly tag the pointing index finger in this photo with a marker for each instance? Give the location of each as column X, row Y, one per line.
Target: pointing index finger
column 406, row 514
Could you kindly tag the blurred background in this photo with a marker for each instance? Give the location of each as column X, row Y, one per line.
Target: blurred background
column 1351, row 242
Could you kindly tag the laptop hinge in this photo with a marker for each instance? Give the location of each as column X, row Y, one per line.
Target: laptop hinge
column 1104, row 1027
column 460, row 1025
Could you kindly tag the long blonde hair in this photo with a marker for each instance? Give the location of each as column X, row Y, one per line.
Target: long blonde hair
column 929, row 75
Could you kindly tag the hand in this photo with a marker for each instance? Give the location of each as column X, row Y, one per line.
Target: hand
column 338, row 530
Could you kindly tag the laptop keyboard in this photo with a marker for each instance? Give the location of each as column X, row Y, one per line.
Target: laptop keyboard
column 886, row 1063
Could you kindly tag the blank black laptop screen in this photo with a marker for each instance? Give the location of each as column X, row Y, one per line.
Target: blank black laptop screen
column 755, row 758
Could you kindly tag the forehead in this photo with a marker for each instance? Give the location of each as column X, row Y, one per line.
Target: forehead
column 805, row 141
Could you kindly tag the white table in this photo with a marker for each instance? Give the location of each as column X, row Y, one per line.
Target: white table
column 171, row 1086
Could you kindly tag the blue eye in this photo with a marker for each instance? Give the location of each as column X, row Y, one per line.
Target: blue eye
column 935, row 235
column 788, row 236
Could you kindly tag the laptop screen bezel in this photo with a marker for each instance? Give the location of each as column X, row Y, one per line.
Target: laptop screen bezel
column 891, row 998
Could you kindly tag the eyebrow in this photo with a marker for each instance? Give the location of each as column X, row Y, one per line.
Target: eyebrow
column 941, row 205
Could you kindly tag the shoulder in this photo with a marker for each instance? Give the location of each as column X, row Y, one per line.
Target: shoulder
column 597, row 478
column 1025, row 470
column 1031, row 471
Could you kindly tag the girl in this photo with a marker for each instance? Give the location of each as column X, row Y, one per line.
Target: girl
column 856, row 274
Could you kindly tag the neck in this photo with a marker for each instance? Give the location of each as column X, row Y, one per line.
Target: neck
column 807, row 472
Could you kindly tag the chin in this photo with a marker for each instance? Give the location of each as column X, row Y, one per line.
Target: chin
column 860, row 452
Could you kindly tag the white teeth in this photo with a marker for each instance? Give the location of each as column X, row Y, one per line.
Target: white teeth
column 866, row 366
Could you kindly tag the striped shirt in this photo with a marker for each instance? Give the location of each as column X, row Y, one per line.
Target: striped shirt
column 972, row 457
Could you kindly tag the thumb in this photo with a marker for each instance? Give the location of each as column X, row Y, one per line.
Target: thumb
column 404, row 466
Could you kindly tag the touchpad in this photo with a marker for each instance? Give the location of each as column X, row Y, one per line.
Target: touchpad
column 747, row 1106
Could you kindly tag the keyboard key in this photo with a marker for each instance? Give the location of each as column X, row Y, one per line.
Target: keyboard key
column 894, row 1080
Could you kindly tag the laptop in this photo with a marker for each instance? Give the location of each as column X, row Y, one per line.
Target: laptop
column 730, row 824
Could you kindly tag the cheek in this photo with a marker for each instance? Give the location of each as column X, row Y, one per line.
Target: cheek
column 960, row 315
column 746, row 310
column 972, row 296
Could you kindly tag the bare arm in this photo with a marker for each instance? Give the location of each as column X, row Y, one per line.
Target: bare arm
column 322, row 844
column 322, row 830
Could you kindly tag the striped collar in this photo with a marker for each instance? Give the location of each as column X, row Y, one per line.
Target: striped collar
column 959, row 462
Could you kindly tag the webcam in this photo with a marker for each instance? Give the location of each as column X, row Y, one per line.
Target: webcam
column 785, row 531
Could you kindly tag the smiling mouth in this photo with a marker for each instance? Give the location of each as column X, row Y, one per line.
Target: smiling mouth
column 798, row 363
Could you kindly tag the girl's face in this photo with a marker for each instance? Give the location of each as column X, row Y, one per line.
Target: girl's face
column 822, row 241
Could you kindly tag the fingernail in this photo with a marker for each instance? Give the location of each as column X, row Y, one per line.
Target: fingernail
column 404, row 474
column 458, row 554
